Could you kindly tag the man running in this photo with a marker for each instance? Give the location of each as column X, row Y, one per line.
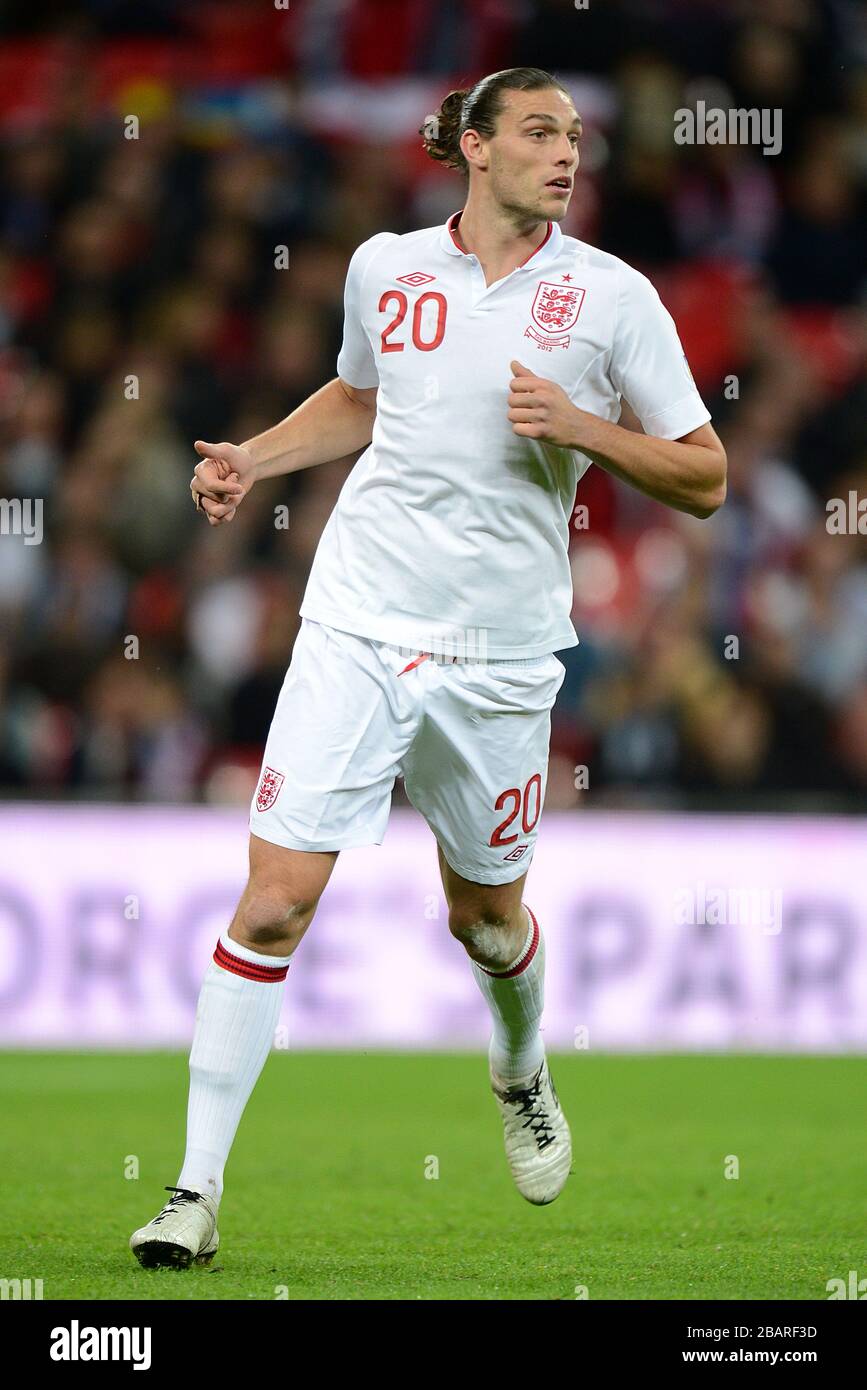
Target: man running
column 482, row 370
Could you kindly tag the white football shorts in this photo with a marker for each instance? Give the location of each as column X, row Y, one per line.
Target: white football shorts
column 470, row 740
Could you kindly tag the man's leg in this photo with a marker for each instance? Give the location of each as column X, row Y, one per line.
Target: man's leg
column 507, row 952
column 504, row 943
column 236, row 1014
column 476, row 771
column 340, row 726
column 240, row 999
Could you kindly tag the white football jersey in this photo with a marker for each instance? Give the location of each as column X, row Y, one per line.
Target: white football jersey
column 451, row 533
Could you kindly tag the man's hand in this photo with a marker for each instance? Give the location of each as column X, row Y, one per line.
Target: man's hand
column 222, row 480
column 540, row 409
column 688, row 473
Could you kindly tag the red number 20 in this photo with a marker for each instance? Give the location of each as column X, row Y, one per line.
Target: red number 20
column 522, row 804
column 398, row 297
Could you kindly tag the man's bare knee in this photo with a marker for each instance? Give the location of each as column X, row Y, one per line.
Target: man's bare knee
column 281, row 896
column 492, row 939
column 272, row 918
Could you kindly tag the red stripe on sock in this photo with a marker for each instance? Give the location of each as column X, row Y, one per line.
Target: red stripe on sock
column 522, row 965
column 263, row 974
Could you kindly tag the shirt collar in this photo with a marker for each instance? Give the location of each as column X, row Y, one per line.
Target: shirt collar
column 547, row 249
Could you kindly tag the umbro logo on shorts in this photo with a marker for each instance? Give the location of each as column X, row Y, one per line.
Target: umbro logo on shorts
column 516, row 852
column 269, row 788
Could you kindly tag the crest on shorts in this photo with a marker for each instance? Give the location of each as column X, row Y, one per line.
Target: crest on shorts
column 269, row 787
column 556, row 307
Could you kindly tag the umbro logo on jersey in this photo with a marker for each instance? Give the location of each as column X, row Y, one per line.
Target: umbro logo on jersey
column 416, row 277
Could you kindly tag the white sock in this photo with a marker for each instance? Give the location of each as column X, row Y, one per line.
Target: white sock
column 516, row 997
column 236, row 1015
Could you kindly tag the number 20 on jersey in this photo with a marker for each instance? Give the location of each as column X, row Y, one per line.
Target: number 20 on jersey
column 393, row 336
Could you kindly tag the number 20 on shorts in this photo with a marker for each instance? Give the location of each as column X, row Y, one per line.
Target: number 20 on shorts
column 520, row 801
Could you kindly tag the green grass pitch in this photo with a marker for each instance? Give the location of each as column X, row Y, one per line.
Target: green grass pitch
column 327, row 1198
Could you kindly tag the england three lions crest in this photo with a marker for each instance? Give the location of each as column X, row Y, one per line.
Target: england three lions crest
column 269, row 786
column 555, row 310
column 556, row 307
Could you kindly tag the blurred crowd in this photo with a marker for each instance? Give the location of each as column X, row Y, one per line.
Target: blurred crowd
column 145, row 301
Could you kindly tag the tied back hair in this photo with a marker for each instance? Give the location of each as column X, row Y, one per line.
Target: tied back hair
column 477, row 108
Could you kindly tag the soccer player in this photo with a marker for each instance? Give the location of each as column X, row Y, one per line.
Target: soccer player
column 482, row 369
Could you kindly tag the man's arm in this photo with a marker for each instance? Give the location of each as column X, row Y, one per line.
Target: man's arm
column 688, row 474
column 335, row 421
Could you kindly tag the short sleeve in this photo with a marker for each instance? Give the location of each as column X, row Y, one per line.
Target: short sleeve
column 356, row 364
column 648, row 363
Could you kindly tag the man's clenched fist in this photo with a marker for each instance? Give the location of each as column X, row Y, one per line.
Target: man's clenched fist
column 222, row 480
column 540, row 409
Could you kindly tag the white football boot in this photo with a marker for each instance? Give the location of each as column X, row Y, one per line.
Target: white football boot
column 184, row 1233
column 538, row 1142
